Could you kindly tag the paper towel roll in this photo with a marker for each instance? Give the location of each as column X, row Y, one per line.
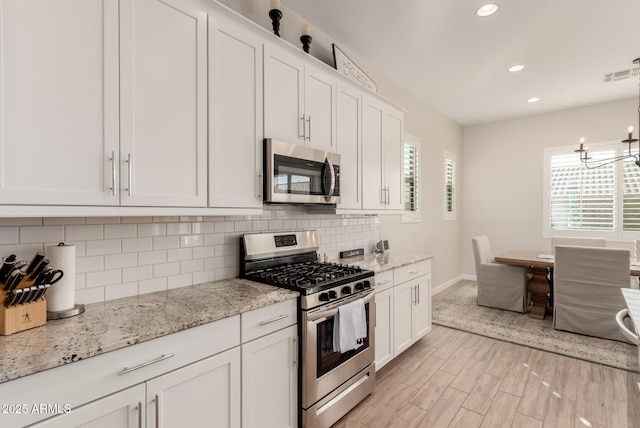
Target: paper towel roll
column 62, row 295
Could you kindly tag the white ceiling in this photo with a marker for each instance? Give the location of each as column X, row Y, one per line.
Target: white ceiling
column 457, row 62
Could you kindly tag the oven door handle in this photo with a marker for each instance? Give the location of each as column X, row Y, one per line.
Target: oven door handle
column 332, row 312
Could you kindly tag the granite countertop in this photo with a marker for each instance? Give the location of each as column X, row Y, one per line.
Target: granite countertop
column 115, row 324
column 384, row 262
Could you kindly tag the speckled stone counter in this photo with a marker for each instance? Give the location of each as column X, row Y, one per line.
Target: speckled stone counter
column 115, row 324
column 384, row 262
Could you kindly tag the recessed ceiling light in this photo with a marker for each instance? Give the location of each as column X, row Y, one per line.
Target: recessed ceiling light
column 487, row 9
column 515, row 68
column 533, row 100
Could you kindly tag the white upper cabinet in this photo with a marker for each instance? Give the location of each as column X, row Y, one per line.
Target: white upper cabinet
column 235, row 115
column 320, row 111
column 163, row 155
column 349, row 145
column 299, row 100
column 58, row 101
column 381, row 155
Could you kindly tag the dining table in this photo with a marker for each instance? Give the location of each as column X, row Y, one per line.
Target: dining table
column 540, row 264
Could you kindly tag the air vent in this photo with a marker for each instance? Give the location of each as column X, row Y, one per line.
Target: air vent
column 621, row 75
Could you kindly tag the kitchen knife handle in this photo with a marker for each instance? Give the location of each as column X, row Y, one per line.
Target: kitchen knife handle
column 114, row 188
column 148, row 363
column 129, row 172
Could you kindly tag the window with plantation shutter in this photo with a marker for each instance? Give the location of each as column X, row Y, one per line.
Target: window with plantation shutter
column 582, row 198
column 411, row 212
column 449, row 186
column 603, row 201
column 631, row 196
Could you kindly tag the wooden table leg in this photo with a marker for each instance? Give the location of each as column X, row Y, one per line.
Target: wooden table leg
column 539, row 289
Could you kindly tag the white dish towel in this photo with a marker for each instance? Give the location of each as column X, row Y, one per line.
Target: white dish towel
column 349, row 326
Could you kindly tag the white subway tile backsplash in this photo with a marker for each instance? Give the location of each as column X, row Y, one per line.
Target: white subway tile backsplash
column 153, row 229
column 121, row 261
column 119, row 291
column 105, row 246
column 152, row 285
column 166, row 269
column 113, row 231
column 152, row 257
column 90, row 264
column 102, row 278
column 183, row 280
column 191, row 241
column 178, row 228
column 34, row 234
column 90, row 295
column 8, row 235
column 83, row 232
column 166, row 242
column 179, row 255
column 191, row 266
column 137, row 273
column 133, row 245
column 124, row 256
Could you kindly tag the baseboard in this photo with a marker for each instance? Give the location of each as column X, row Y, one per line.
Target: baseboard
column 447, row 284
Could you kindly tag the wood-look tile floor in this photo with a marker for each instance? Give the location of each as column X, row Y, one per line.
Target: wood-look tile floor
column 451, row 378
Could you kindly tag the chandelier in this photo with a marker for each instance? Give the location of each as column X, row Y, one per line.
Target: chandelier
column 589, row 163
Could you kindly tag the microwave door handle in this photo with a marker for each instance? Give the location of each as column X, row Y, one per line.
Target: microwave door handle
column 332, row 186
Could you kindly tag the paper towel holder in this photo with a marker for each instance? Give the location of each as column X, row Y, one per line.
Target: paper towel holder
column 66, row 313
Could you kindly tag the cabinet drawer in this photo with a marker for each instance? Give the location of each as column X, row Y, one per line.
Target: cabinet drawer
column 384, row 280
column 86, row 380
column 405, row 273
column 268, row 319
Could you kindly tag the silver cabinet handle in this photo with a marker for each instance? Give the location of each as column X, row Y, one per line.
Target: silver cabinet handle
column 114, row 190
column 139, row 414
column 304, row 134
column 278, row 318
column 130, row 172
column 295, row 351
column 418, row 293
column 415, row 271
column 148, row 363
column 157, row 399
column 388, row 196
column 383, row 282
column 383, row 196
column 259, row 186
column 309, row 121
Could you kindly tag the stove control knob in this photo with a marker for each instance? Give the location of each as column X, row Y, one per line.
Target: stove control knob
column 359, row 286
column 333, row 294
column 346, row 290
column 324, row 297
column 367, row 284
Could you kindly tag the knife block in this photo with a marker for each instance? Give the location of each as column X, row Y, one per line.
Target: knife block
column 21, row 317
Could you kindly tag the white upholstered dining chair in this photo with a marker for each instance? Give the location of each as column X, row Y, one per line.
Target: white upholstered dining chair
column 580, row 242
column 587, row 296
column 499, row 286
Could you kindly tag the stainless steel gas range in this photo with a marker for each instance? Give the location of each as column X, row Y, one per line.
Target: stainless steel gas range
column 330, row 383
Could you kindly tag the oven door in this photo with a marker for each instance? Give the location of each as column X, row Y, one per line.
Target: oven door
column 324, row 370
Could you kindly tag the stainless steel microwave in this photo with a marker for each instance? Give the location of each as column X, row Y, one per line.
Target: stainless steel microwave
column 295, row 174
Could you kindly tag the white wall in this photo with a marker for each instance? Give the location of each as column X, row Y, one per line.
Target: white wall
column 437, row 133
column 503, row 171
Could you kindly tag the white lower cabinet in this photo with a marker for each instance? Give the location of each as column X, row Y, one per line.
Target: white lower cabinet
column 123, row 409
column 270, row 366
column 189, row 396
column 269, row 380
column 238, row 371
column 403, row 309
